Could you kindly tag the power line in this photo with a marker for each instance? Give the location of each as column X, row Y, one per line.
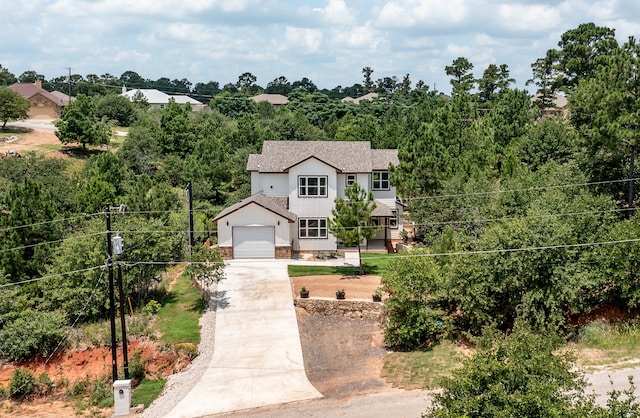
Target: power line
column 80, row 315
column 50, row 276
column 4, row 250
column 522, row 249
column 173, row 263
column 125, row 263
column 83, row 216
column 508, row 218
column 531, row 189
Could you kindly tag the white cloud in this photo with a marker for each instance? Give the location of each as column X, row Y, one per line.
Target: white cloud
column 304, row 40
column 409, row 13
column 360, row 37
column 337, row 12
column 525, row 18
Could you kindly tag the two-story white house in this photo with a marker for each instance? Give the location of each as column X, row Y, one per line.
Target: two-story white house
column 293, row 188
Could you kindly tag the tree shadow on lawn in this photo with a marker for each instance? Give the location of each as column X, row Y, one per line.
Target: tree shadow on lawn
column 15, row 130
column 80, row 152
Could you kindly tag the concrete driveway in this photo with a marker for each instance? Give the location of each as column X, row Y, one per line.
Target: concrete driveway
column 258, row 357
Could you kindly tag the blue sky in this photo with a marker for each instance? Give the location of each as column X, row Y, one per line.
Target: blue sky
column 327, row 41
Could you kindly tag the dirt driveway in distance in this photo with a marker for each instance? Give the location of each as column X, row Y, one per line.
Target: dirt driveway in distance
column 41, row 141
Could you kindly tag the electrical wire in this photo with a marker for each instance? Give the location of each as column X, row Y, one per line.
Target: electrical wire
column 83, row 216
column 531, row 189
column 50, row 276
column 522, row 249
column 510, row 218
column 80, row 315
column 4, row 250
column 172, row 263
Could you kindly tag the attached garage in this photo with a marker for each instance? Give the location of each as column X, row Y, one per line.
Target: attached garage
column 254, row 242
column 257, row 227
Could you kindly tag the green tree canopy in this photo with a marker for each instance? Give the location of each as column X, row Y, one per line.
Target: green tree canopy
column 12, row 106
column 78, row 123
column 518, row 375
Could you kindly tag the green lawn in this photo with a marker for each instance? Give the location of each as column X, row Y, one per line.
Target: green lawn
column 421, row 369
column 147, row 391
column 180, row 312
column 372, row 264
column 604, row 343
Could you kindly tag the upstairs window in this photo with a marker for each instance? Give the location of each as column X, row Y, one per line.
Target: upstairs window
column 312, row 186
column 380, row 180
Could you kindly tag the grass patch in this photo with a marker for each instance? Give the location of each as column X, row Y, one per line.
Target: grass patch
column 177, row 319
column 421, row 369
column 604, row 343
column 374, row 264
column 147, row 391
column 295, row 271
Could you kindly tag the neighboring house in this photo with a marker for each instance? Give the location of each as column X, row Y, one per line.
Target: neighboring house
column 560, row 107
column 44, row 105
column 368, row 96
column 65, row 99
column 293, row 188
column 158, row 99
column 276, row 100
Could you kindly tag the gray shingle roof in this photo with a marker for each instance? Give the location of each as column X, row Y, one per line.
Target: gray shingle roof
column 345, row 156
column 276, row 205
column 381, row 210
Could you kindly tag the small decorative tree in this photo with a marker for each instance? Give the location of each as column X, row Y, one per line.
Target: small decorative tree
column 351, row 221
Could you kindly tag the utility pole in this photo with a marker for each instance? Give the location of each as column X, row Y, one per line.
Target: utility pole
column 69, row 68
column 190, row 200
column 117, row 248
column 112, row 316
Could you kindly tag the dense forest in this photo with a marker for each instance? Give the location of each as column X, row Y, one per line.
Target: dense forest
column 518, row 217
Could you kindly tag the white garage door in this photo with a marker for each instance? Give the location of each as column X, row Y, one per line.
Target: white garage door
column 254, row 242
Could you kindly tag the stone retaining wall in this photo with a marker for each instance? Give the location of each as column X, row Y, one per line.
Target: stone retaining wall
column 357, row 309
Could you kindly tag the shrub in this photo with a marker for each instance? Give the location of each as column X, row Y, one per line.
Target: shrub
column 412, row 325
column 4, row 393
column 79, row 387
column 100, row 393
column 139, row 325
column 152, row 307
column 22, row 384
column 32, row 333
column 45, row 384
column 136, row 367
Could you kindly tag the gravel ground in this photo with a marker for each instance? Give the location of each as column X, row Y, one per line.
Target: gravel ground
column 179, row 384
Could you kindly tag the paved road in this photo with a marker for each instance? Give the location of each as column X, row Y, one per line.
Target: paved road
column 603, row 382
column 396, row 403
column 258, row 357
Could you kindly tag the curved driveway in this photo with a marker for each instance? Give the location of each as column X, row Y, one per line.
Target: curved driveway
column 258, row 357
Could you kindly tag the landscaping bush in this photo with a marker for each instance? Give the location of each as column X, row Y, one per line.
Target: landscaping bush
column 412, row 325
column 32, row 333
